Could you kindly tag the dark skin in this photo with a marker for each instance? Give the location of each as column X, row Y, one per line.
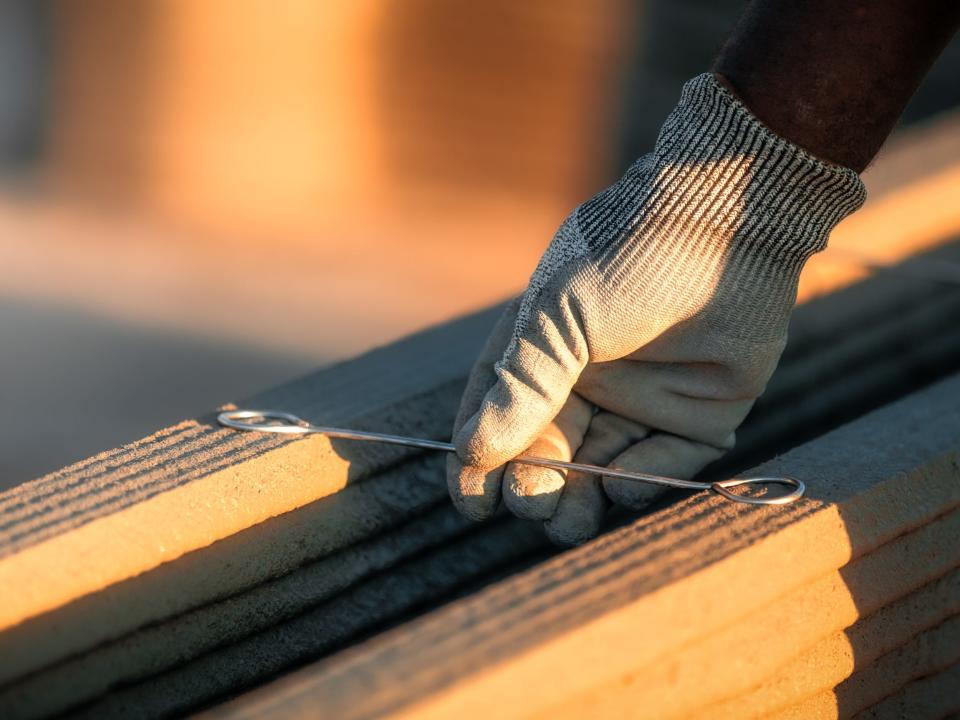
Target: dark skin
column 833, row 76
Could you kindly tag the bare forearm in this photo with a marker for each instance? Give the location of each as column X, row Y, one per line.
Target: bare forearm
column 833, row 76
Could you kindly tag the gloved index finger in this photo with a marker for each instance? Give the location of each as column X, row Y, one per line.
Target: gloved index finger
column 476, row 492
column 534, row 380
column 482, row 375
column 531, row 491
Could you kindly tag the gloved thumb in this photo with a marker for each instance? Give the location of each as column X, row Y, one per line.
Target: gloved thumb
column 534, row 379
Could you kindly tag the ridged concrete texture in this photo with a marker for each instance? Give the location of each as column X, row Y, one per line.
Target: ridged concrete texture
column 137, row 508
column 699, row 606
column 306, row 583
column 176, row 571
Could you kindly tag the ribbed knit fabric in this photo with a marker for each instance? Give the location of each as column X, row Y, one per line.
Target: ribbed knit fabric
column 663, row 300
column 719, row 187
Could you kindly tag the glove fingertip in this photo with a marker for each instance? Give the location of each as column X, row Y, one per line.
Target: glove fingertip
column 475, row 492
column 531, row 493
column 480, row 446
column 580, row 513
column 630, row 494
column 570, row 531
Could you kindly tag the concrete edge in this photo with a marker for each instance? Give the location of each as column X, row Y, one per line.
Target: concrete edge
column 135, row 508
column 349, row 394
column 825, row 666
column 787, row 646
column 917, row 680
column 492, row 651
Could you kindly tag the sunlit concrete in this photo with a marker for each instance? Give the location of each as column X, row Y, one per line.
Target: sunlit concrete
column 663, row 617
column 207, row 556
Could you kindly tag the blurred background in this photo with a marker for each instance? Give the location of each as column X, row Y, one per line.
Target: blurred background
column 202, row 199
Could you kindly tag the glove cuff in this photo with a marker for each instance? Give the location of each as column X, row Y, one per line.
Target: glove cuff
column 769, row 195
column 730, row 206
column 720, row 178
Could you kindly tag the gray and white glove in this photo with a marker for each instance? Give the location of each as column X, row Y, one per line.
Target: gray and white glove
column 653, row 321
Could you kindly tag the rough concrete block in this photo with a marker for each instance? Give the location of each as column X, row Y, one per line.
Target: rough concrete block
column 232, row 557
column 135, row 509
column 843, row 666
column 207, row 652
column 198, row 632
column 934, row 696
column 159, row 647
column 278, row 546
column 632, row 599
column 918, row 680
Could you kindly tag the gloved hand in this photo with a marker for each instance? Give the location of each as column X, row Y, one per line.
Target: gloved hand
column 653, row 321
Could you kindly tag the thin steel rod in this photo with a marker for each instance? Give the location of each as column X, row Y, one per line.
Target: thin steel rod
column 284, row 423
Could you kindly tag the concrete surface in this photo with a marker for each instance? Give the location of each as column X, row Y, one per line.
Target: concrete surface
column 382, row 548
column 600, row 620
column 318, row 605
column 813, row 390
column 203, row 561
column 196, row 483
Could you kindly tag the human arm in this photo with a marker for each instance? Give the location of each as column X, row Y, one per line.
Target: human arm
column 833, row 76
column 660, row 309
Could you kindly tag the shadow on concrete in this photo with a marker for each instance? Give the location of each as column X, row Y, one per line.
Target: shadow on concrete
column 77, row 384
column 294, row 628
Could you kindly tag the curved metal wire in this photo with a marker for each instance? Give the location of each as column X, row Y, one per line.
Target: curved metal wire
column 284, row 423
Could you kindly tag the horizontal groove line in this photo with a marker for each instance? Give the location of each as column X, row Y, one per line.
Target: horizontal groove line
column 490, row 626
column 79, row 487
column 245, row 591
column 48, row 519
column 51, row 484
column 764, row 683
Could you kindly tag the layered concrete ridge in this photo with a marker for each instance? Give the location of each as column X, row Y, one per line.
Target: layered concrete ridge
column 173, row 572
column 204, row 561
column 90, row 549
column 843, row 603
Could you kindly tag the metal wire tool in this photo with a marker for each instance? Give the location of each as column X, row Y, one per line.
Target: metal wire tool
column 284, row 423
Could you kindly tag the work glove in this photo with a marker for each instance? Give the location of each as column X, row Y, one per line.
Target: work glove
column 652, row 322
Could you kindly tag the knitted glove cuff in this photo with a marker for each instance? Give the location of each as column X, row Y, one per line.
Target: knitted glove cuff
column 723, row 203
column 719, row 175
